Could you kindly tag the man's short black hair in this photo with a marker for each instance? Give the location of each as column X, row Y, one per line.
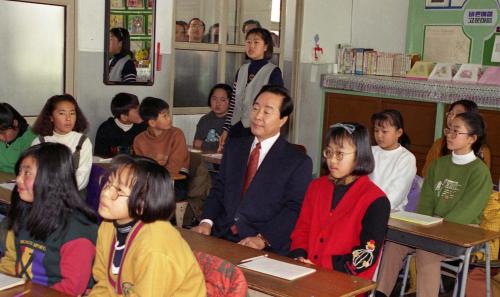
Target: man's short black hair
column 250, row 22
column 151, row 107
column 286, row 107
column 122, row 103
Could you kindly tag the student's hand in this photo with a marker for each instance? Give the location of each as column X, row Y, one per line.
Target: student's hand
column 304, row 260
column 254, row 242
column 222, row 141
column 203, row 228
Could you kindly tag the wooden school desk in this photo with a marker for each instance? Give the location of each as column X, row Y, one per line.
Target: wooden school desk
column 321, row 283
column 447, row 239
column 4, row 193
column 30, row 289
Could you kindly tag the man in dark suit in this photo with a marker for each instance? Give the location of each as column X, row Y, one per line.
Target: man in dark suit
column 257, row 196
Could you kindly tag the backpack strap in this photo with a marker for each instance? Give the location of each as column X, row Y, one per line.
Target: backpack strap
column 78, row 148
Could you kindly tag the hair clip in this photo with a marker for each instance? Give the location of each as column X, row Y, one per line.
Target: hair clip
column 348, row 127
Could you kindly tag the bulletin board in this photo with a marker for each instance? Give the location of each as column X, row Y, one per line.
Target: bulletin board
column 455, row 31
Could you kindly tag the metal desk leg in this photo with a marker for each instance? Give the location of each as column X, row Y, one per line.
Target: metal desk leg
column 465, row 272
column 488, row 268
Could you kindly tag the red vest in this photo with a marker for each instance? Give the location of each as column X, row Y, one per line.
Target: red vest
column 323, row 232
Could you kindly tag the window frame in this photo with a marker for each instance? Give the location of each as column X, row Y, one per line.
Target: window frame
column 222, row 49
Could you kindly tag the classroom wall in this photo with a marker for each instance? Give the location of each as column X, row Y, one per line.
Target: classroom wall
column 378, row 24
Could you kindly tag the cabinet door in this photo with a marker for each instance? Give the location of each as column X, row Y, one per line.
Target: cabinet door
column 492, row 122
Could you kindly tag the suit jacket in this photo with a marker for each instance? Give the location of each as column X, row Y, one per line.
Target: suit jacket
column 273, row 200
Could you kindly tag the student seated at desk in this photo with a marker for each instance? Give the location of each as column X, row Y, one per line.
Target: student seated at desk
column 439, row 148
column 15, row 135
column 52, row 233
column 257, row 195
column 138, row 252
column 210, row 126
column 62, row 121
column 161, row 141
column 457, row 188
column 343, row 221
column 116, row 135
column 395, row 166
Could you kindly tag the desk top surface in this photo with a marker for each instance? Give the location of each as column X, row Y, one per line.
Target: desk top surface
column 456, row 234
column 30, row 289
column 321, row 283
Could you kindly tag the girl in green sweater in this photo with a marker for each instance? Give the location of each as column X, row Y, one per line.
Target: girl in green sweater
column 15, row 137
column 457, row 189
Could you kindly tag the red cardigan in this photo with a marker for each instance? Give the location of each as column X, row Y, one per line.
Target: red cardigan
column 323, row 232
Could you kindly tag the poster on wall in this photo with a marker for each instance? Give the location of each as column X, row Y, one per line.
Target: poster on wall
column 480, row 17
column 445, row 4
column 446, row 44
column 495, row 54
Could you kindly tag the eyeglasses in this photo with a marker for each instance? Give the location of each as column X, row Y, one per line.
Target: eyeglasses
column 329, row 154
column 113, row 191
column 218, row 98
column 348, row 127
column 453, row 133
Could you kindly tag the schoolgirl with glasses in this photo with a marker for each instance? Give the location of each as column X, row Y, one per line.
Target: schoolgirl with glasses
column 456, row 188
column 343, row 220
column 139, row 253
column 439, row 148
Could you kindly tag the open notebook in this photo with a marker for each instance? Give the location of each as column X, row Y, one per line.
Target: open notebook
column 416, row 218
column 277, row 268
column 7, row 281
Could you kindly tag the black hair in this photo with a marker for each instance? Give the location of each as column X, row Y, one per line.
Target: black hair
column 197, row 19
column 224, row 87
column 268, row 40
column 55, row 191
column 122, row 35
column 122, row 103
column 469, row 106
column 151, row 107
column 359, row 138
column 182, row 23
column 250, row 22
column 286, row 107
column 44, row 126
column 393, row 118
column 152, row 195
column 7, row 116
column 475, row 126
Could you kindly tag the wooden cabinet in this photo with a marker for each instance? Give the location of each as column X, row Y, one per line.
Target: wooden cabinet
column 419, row 118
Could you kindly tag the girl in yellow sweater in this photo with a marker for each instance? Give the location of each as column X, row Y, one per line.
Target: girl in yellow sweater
column 139, row 253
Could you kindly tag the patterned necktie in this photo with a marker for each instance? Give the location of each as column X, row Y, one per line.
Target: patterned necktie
column 253, row 163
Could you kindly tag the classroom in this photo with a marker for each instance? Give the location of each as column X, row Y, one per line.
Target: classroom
column 250, row 148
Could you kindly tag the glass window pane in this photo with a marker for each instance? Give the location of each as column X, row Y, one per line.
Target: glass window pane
column 234, row 62
column 32, row 54
column 201, row 19
column 195, row 74
column 244, row 15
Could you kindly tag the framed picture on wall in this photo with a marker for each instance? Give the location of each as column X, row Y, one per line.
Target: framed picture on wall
column 116, row 21
column 117, row 4
column 150, row 24
column 150, row 4
column 135, row 4
column 136, row 45
column 136, row 25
